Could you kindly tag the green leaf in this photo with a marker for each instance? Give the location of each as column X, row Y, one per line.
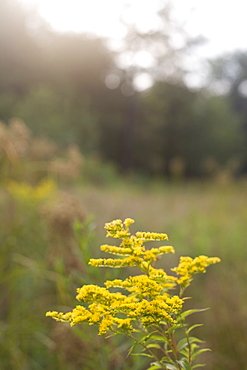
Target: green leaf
column 159, row 338
column 167, row 359
column 171, row 367
column 195, row 340
column 184, row 342
column 111, row 335
column 155, row 367
column 197, row 353
column 145, row 339
column 153, row 345
column 167, row 347
column 132, row 348
column 185, row 352
column 142, row 354
column 156, row 363
column 184, row 364
column 193, row 327
column 173, row 328
column 142, row 340
column 190, row 312
column 198, row 365
column 194, row 347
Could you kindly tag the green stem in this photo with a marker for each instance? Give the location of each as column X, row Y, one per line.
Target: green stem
column 189, row 346
column 163, row 334
column 173, row 344
column 148, row 350
column 185, row 331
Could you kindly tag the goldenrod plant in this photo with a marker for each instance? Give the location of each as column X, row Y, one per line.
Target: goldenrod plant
column 143, row 307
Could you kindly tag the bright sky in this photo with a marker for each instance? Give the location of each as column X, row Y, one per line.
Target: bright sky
column 222, row 22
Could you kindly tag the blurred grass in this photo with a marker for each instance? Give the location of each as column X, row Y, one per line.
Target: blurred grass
column 206, row 219
column 44, row 250
column 200, row 218
column 46, row 241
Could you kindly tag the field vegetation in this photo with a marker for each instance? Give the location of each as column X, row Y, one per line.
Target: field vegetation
column 83, row 152
column 53, row 224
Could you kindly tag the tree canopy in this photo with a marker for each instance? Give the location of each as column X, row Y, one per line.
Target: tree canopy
column 57, row 84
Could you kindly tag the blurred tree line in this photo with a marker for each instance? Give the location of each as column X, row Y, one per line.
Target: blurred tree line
column 73, row 89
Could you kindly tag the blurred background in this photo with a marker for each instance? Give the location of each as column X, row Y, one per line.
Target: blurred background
column 109, row 110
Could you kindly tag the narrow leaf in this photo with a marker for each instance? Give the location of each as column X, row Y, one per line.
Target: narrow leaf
column 148, row 336
column 195, row 340
column 171, row 367
column 159, row 338
column 184, row 352
column 184, row 342
column 173, row 328
column 185, row 364
column 131, row 349
column 197, row 353
column 193, row 327
column 167, row 359
column 153, row 345
column 190, row 312
column 198, row 365
column 142, row 354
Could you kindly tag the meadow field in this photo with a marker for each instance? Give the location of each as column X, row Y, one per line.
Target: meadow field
column 54, row 205
column 51, row 229
column 83, row 143
column 200, row 218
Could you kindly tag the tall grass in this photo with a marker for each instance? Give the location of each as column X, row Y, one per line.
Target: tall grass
column 200, row 218
column 45, row 243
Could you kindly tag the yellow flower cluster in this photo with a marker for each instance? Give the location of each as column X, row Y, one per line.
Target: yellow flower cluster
column 141, row 285
column 151, row 236
column 105, row 308
column 118, row 229
column 188, row 267
column 147, row 300
column 131, row 261
column 131, row 247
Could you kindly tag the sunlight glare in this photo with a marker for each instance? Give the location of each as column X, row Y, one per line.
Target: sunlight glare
column 94, row 16
column 143, row 81
column 222, row 23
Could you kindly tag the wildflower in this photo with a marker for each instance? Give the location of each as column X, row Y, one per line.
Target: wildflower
column 188, row 267
column 144, row 301
column 151, row 236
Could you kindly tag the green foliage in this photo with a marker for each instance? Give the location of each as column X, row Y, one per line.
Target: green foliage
column 49, row 111
column 32, row 276
column 45, row 270
column 178, row 123
column 211, row 220
column 55, row 83
column 35, row 271
column 230, row 71
column 220, row 131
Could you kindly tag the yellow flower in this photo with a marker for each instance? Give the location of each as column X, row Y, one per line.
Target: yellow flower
column 151, row 236
column 188, row 267
column 105, row 324
column 115, row 250
column 128, row 222
column 147, row 300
